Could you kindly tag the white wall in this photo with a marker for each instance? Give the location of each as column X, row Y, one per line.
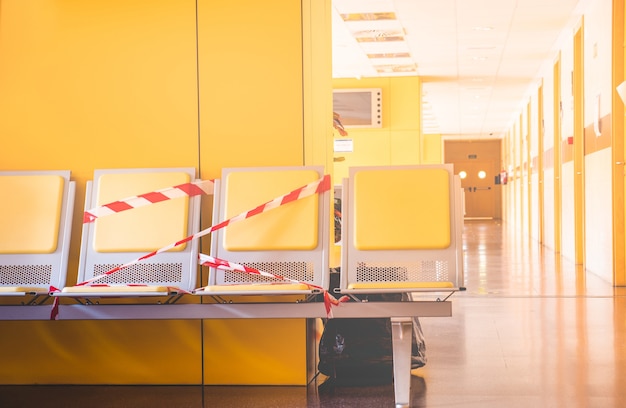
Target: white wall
column 567, row 130
column 597, row 60
column 567, row 211
column 548, row 208
column 599, row 234
column 597, row 42
column 548, row 145
column 598, row 172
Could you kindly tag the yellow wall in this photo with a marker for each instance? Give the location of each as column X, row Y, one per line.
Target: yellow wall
column 399, row 140
column 251, row 115
column 115, row 84
column 432, row 150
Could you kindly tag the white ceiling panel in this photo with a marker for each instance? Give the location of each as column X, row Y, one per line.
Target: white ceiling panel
column 479, row 59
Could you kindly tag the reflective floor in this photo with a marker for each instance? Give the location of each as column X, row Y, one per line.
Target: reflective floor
column 530, row 331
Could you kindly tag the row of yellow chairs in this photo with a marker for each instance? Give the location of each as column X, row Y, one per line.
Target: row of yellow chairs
column 400, row 232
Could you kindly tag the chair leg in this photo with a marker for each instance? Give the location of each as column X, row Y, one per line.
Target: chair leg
column 402, row 332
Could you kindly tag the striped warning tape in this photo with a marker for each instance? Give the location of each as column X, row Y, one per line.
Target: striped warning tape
column 182, row 190
column 329, row 300
column 319, row 186
column 207, row 260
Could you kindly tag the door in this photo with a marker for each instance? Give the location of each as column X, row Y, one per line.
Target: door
column 478, row 182
column 478, row 161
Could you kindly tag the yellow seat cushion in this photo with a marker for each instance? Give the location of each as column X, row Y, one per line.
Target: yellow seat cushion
column 114, row 289
column 27, row 289
column 292, row 226
column 401, row 209
column 256, row 287
column 400, row 285
column 30, row 213
column 146, row 228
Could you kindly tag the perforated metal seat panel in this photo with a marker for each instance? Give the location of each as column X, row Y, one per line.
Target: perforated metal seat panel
column 300, row 271
column 26, row 274
column 416, row 271
column 142, row 273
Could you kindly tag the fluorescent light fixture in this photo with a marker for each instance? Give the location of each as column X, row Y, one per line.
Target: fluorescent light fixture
column 390, row 55
column 369, row 16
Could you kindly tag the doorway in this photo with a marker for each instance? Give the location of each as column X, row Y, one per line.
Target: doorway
column 478, row 165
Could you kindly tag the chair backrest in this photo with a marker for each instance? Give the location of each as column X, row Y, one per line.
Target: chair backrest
column 35, row 228
column 120, row 238
column 290, row 241
column 401, row 229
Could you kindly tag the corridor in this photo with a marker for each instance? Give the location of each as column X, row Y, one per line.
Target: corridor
column 530, row 331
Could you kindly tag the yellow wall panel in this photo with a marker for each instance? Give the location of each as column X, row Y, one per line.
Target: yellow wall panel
column 405, row 104
column 251, row 113
column 100, row 352
column 115, row 84
column 432, row 151
column 250, row 107
column 257, row 352
column 103, row 83
column 405, row 147
column 86, row 85
column 399, row 141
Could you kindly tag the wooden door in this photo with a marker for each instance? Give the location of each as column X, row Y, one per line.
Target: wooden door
column 478, row 182
column 482, row 196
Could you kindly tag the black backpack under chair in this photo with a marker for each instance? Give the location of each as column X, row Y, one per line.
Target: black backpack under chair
column 359, row 351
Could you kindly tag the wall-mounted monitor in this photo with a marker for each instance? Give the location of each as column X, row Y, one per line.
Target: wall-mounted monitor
column 359, row 107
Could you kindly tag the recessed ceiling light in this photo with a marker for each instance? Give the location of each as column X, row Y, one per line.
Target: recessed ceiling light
column 368, row 16
column 380, row 39
column 390, row 55
column 381, row 69
column 482, row 47
column 378, row 35
column 482, row 28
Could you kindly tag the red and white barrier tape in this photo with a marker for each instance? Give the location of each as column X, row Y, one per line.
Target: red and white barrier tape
column 54, row 312
column 207, row 260
column 329, row 300
column 319, row 186
column 182, row 190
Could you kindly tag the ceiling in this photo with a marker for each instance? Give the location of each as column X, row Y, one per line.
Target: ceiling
column 479, row 60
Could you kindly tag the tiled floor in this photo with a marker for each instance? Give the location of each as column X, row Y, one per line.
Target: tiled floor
column 530, row 331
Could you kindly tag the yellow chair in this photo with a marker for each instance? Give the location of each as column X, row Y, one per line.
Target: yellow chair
column 401, row 230
column 290, row 241
column 35, row 228
column 121, row 238
column 401, row 233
